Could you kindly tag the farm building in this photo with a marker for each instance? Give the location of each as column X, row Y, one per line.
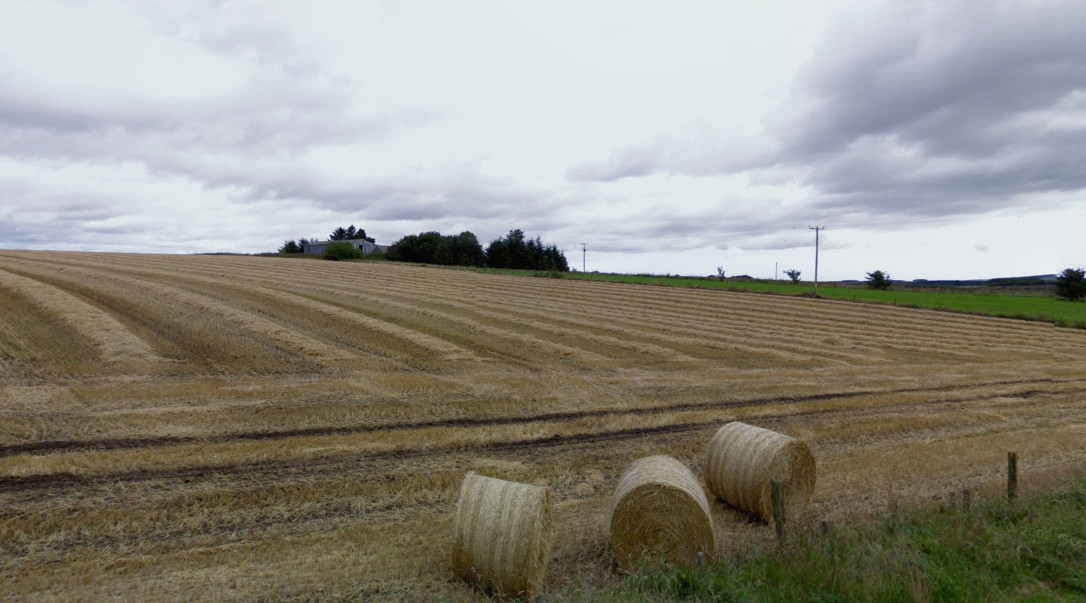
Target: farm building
column 364, row 245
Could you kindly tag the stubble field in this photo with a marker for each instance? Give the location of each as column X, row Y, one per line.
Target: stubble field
column 245, row 427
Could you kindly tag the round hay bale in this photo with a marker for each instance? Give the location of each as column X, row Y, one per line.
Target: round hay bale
column 660, row 513
column 742, row 461
column 501, row 535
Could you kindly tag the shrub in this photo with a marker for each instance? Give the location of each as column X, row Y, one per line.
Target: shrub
column 1071, row 284
column 879, row 280
column 341, row 251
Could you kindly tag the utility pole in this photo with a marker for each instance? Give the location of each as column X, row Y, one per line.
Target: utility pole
column 816, row 229
column 775, row 265
column 584, row 256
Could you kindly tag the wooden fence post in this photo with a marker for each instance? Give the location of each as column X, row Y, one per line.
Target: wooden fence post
column 1012, row 476
column 778, row 510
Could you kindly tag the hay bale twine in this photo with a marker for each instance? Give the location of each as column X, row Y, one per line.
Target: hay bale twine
column 660, row 513
column 501, row 535
column 742, row 461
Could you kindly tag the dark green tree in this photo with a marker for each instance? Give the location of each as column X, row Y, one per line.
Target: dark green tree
column 497, row 254
column 793, row 274
column 517, row 252
column 879, row 280
column 508, row 251
column 290, row 247
column 339, row 234
column 556, row 260
column 468, row 250
column 435, row 248
column 1071, row 284
column 420, row 248
column 347, row 234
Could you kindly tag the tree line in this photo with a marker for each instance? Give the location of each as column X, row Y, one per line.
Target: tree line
column 514, row 250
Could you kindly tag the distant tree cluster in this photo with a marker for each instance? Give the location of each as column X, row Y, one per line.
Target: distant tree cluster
column 514, row 250
column 434, row 248
column 348, row 234
column 292, row 247
column 1071, row 284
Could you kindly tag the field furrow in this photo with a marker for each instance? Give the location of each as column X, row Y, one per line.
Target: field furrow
column 607, row 329
column 112, row 341
column 187, row 337
column 295, row 307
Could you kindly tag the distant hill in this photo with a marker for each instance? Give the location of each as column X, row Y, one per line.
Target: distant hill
column 1007, row 281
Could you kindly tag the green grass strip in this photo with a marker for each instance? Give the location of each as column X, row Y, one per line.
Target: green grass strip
column 1035, row 551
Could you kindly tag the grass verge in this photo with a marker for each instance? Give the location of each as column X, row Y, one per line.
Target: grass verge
column 1033, row 551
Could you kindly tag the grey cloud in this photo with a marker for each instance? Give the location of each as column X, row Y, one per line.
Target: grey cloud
column 228, row 28
column 33, row 218
column 269, row 118
column 776, row 242
column 249, row 143
column 697, row 150
column 629, row 163
column 947, row 108
column 943, row 77
column 667, row 230
column 446, row 195
column 954, row 112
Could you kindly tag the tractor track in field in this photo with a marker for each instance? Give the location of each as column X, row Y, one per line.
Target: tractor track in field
column 59, row 446
column 342, row 464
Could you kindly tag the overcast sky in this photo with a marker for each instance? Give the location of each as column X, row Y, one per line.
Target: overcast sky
column 942, row 139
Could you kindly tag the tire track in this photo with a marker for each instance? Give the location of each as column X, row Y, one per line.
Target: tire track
column 310, row 468
column 60, row 446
